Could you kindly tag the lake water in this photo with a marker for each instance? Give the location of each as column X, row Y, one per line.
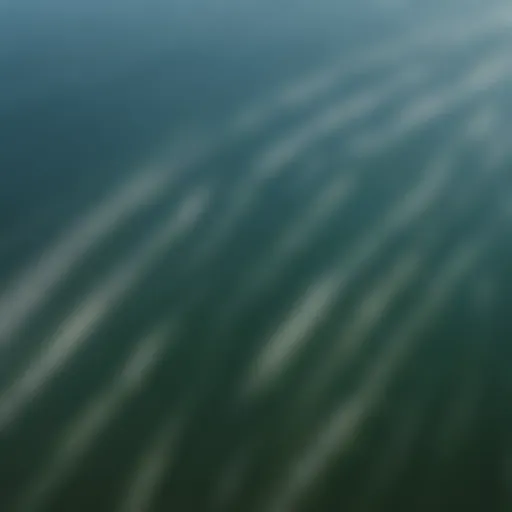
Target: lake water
column 255, row 256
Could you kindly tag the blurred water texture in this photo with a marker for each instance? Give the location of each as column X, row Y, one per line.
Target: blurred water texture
column 255, row 256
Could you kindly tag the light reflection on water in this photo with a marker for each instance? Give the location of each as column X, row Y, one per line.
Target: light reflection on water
column 239, row 280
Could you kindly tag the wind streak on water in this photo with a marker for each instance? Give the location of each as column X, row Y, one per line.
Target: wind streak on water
column 491, row 72
column 305, row 316
column 355, row 332
column 36, row 285
column 288, row 150
column 341, row 430
column 358, row 334
column 294, row 240
column 76, row 330
column 295, row 332
column 415, row 204
column 95, row 417
column 451, row 33
column 149, row 473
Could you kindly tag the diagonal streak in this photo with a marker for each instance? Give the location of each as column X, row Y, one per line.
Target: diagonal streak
column 77, row 329
column 341, row 429
column 83, row 431
column 35, row 287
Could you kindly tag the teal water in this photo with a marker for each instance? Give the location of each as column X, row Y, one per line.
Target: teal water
column 255, row 257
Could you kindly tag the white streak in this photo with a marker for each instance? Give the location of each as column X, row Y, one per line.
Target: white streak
column 76, row 330
column 35, row 287
column 344, row 424
column 355, row 333
column 84, row 430
column 452, row 33
column 287, row 150
column 372, row 309
column 151, row 468
column 435, row 104
column 332, row 119
column 291, row 244
column 315, row 305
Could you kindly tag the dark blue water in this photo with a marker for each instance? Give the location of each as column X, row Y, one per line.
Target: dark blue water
column 255, row 256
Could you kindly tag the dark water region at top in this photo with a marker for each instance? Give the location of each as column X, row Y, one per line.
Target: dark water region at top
column 255, row 256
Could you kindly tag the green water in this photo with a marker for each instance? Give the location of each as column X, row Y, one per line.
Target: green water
column 255, row 257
